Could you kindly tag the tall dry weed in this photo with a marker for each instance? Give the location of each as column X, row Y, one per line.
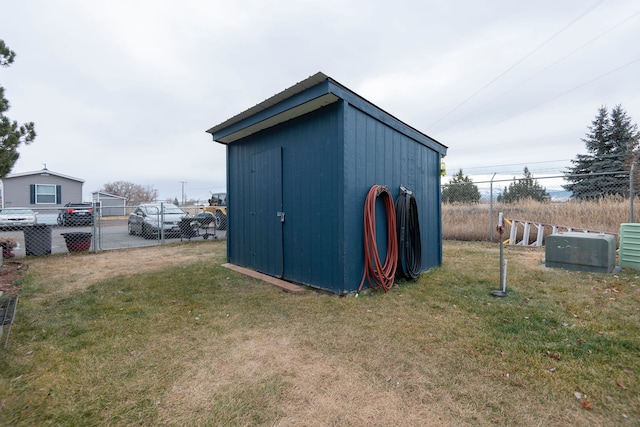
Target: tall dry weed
column 473, row 221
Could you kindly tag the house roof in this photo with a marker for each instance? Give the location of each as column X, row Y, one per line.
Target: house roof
column 102, row 193
column 308, row 95
column 44, row 172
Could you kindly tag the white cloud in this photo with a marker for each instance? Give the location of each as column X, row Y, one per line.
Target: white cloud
column 126, row 90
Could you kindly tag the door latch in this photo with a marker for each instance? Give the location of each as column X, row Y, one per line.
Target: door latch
column 281, row 215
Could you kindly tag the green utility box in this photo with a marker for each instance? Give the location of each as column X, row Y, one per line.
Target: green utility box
column 581, row 251
column 630, row 245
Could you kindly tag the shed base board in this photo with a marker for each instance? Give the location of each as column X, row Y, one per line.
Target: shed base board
column 578, row 267
column 282, row 284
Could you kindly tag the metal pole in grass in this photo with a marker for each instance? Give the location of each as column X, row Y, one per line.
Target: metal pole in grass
column 491, row 208
column 502, row 292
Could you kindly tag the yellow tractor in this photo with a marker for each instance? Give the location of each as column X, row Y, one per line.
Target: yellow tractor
column 218, row 207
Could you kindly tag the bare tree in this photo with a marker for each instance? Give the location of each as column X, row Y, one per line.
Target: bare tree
column 133, row 193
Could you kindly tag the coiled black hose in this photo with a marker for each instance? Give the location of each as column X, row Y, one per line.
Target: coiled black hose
column 408, row 231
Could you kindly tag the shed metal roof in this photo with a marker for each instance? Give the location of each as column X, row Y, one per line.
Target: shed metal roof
column 287, row 93
column 259, row 117
column 102, row 193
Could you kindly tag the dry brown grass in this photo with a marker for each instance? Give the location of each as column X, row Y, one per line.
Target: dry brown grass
column 76, row 272
column 315, row 388
column 473, row 221
column 191, row 343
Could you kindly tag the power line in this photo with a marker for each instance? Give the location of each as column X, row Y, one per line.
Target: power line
column 525, row 163
column 588, row 82
column 502, row 168
column 598, row 3
column 513, row 165
column 542, row 70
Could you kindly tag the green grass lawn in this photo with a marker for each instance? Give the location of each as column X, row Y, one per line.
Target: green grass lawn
column 197, row 344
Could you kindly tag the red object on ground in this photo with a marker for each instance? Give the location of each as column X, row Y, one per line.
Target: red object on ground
column 77, row 241
column 79, row 246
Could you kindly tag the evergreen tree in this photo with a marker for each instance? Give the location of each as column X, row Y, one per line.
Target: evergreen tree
column 11, row 134
column 460, row 189
column 524, row 188
column 612, row 143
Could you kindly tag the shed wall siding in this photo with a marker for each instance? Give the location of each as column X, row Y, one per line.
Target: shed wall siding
column 110, row 205
column 311, row 180
column 377, row 154
column 328, row 160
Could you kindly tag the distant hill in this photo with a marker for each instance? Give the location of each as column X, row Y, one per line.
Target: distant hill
column 559, row 195
column 556, row 195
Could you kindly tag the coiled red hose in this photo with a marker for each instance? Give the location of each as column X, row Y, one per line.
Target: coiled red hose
column 378, row 275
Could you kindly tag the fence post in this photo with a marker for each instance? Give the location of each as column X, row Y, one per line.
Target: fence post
column 491, row 208
column 631, row 191
column 161, row 225
column 97, row 213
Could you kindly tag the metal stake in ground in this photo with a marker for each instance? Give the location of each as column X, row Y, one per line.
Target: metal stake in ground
column 503, row 263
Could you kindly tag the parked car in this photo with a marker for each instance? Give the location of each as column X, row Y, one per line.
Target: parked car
column 76, row 214
column 16, row 218
column 147, row 220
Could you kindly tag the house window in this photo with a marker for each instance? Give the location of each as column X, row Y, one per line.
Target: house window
column 45, row 194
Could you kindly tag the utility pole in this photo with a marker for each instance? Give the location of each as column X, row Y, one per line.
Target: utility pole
column 183, row 183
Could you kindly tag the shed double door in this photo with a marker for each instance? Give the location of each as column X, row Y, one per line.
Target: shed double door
column 266, row 214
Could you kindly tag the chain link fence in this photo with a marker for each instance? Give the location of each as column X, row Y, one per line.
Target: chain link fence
column 545, row 204
column 85, row 227
column 469, row 212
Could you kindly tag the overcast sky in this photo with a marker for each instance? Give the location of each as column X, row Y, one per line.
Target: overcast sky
column 125, row 90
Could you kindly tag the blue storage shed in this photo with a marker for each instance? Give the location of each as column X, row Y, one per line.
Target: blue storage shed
column 299, row 167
